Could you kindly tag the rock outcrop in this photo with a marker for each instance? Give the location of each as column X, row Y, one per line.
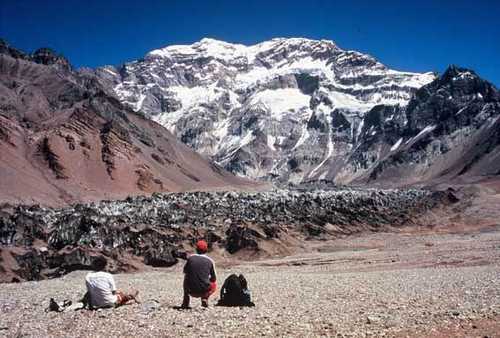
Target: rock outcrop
column 449, row 131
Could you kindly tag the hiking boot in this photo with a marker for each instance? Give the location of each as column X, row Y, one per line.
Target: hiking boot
column 204, row 302
column 53, row 306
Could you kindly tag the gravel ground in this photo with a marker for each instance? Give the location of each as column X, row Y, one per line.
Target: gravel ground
column 373, row 285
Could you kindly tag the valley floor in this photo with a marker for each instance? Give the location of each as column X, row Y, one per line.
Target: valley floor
column 439, row 284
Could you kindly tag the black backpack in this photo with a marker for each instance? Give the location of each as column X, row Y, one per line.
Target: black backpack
column 234, row 292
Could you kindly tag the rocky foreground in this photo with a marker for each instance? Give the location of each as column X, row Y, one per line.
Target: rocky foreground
column 377, row 285
column 40, row 242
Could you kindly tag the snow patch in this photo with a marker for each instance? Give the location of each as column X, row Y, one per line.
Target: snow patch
column 110, row 71
column 360, row 128
column 425, row 130
column 330, row 149
column 422, row 132
column 279, row 101
column 221, row 128
column 303, row 137
column 328, row 155
column 270, row 142
column 349, row 102
column 322, row 176
column 138, row 104
column 461, row 110
column 397, row 144
column 192, row 96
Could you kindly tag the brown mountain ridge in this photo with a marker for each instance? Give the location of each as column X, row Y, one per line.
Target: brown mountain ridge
column 65, row 138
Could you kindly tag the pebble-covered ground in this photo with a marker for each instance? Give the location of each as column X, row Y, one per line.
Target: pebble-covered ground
column 373, row 285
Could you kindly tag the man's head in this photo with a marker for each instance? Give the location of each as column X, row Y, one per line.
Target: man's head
column 201, row 247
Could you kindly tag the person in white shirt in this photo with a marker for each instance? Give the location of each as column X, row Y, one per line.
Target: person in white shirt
column 102, row 291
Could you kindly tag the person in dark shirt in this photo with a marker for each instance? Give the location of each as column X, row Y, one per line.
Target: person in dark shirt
column 199, row 276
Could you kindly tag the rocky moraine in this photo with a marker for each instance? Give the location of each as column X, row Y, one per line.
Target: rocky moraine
column 44, row 242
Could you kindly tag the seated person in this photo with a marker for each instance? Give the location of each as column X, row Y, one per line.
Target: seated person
column 199, row 276
column 102, row 292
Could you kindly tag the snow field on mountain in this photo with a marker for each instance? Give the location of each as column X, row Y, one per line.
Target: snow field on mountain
column 279, row 101
column 273, row 100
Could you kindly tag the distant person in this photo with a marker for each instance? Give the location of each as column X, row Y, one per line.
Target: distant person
column 199, row 276
column 102, row 292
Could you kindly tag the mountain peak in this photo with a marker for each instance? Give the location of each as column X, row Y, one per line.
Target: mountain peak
column 5, row 48
column 225, row 50
column 454, row 72
column 207, row 40
column 460, row 81
column 47, row 56
column 301, row 40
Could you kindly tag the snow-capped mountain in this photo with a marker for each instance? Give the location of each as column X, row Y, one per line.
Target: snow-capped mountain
column 286, row 109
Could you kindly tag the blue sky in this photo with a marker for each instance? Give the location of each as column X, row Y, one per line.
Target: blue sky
column 405, row 35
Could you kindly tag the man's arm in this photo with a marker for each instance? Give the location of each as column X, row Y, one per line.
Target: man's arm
column 112, row 284
column 213, row 275
column 180, row 254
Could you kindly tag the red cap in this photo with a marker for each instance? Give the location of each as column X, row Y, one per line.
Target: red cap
column 202, row 246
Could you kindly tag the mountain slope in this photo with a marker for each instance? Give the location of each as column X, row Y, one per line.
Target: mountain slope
column 449, row 130
column 64, row 138
column 285, row 109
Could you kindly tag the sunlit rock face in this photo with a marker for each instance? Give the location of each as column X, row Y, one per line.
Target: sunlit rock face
column 289, row 110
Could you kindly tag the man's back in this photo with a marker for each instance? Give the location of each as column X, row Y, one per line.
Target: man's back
column 101, row 287
column 200, row 271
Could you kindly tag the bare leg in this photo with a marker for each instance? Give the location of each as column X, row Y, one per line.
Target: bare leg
column 123, row 298
column 211, row 290
column 185, row 301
